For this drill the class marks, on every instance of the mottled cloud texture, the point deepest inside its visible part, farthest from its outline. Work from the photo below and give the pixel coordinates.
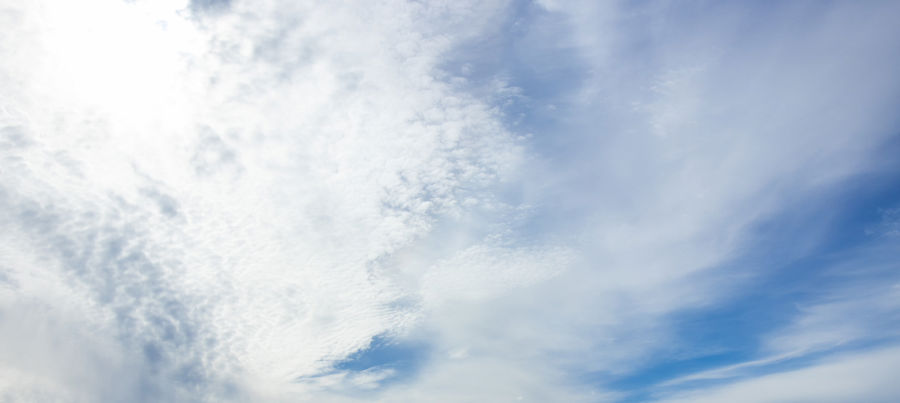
(448, 201)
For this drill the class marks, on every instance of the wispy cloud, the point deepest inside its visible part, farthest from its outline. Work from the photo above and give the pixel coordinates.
(835, 380)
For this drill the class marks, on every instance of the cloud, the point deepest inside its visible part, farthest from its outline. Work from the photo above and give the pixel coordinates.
(226, 200)
(219, 188)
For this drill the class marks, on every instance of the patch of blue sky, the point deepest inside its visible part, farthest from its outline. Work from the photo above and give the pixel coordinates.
(637, 389)
(405, 357)
(390, 359)
(787, 275)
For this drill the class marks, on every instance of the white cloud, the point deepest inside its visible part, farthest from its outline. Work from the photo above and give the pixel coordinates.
(687, 133)
(235, 200)
(220, 189)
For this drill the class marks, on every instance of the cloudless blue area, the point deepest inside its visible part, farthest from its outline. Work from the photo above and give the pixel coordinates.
(403, 357)
(385, 352)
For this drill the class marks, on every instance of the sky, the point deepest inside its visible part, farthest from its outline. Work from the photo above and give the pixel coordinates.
(449, 201)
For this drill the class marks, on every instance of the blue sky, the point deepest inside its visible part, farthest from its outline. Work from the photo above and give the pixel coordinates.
(281, 201)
